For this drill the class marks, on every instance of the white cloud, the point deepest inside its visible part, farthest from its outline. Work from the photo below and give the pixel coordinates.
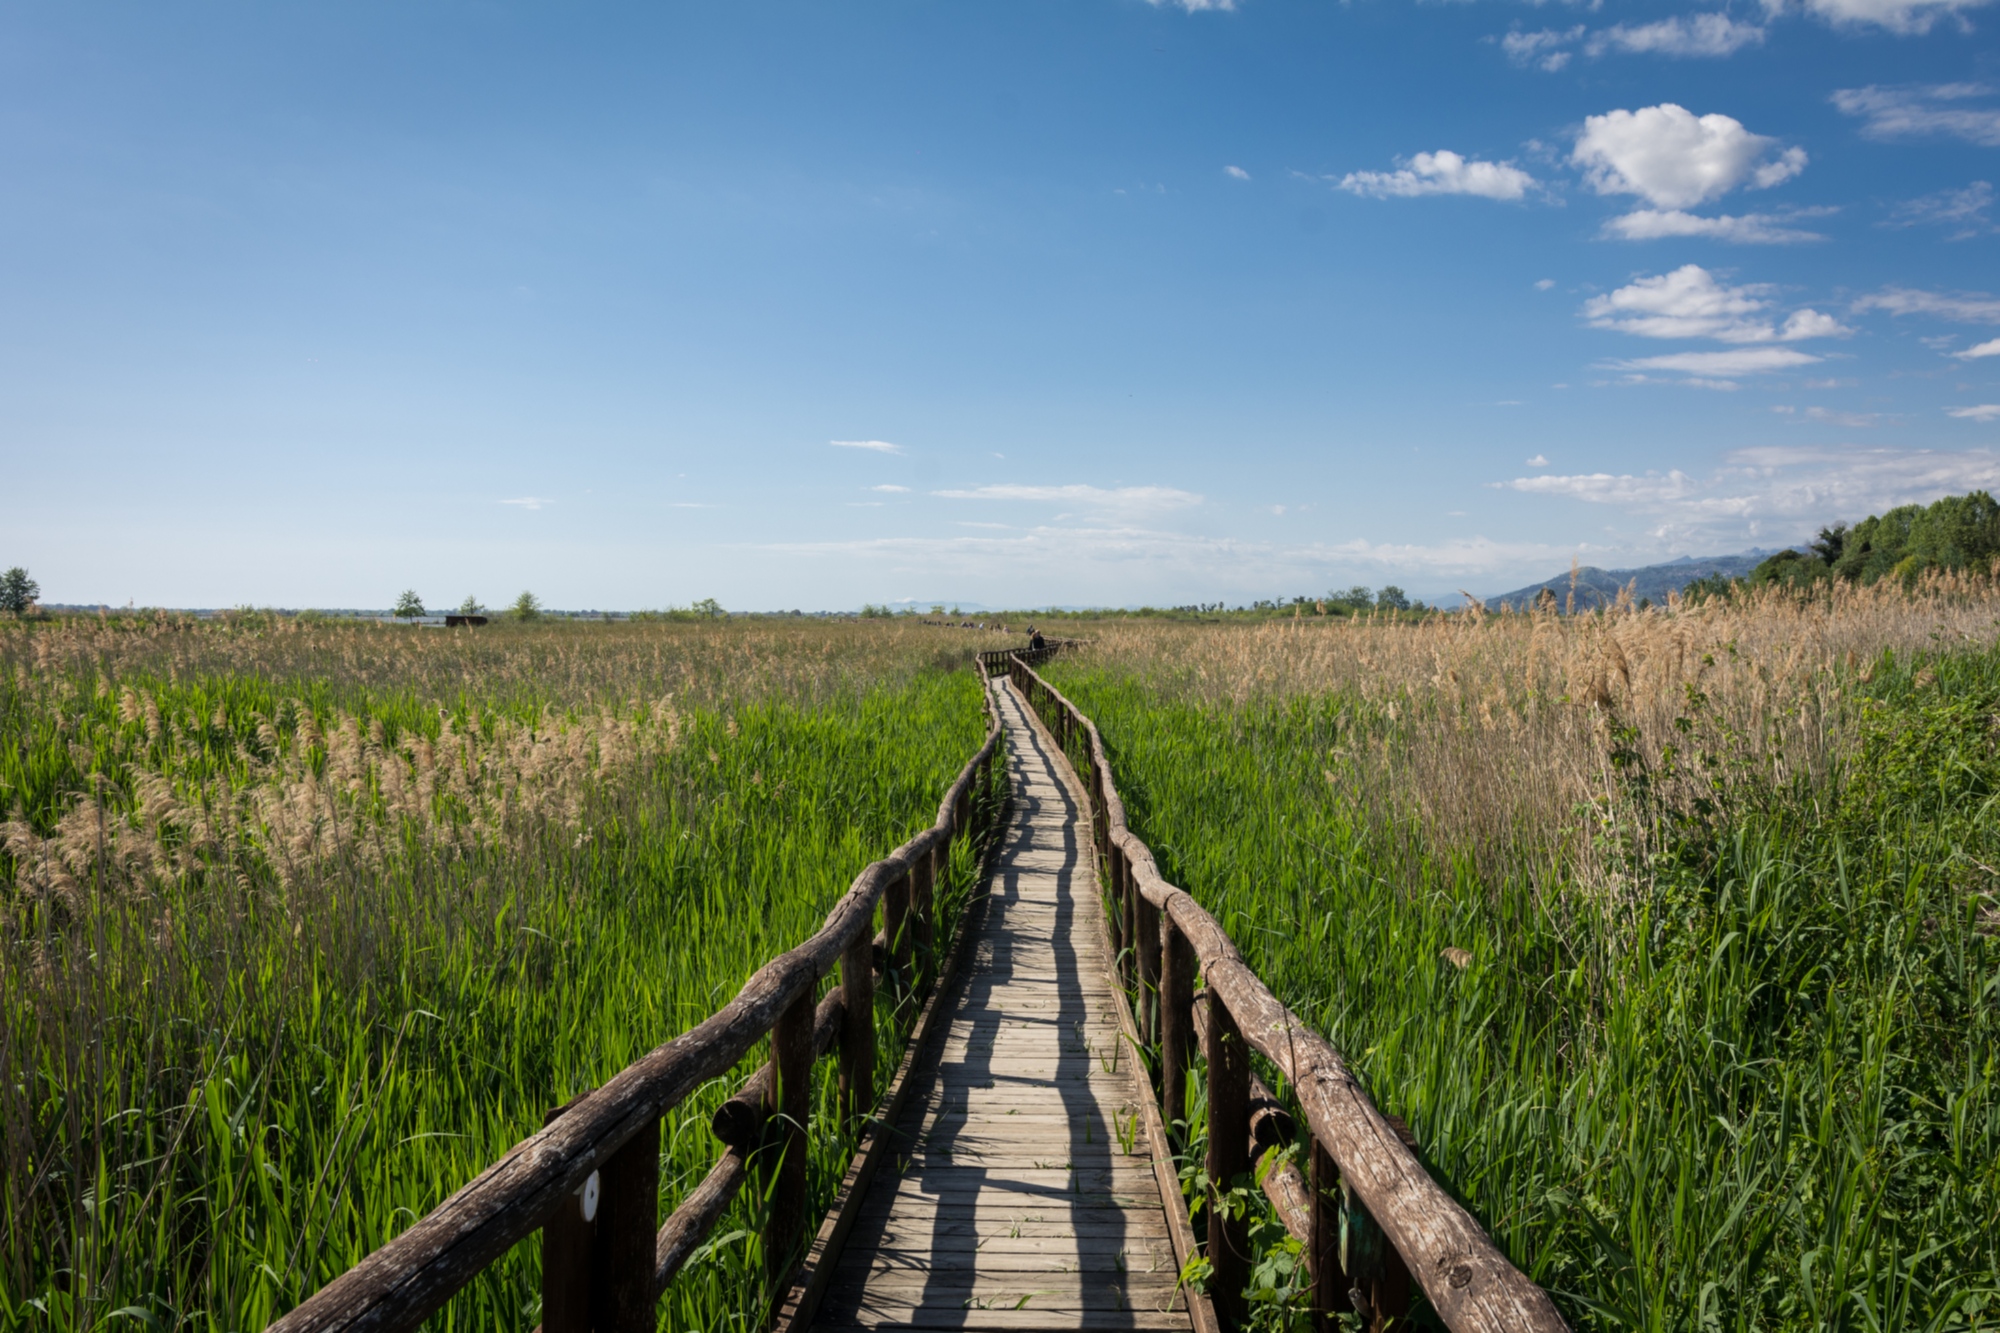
(1122, 498)
(1914, 111)
(1545, 284)
(1902, 16)
(1237, 173)
(529, 502)
(1774, 494)
(1707, 35)
(1722, 365)
(1675, 159)
(1991, 347)
(1541, 49)
(1683, 35)
(1827, 416)
(1690, 303)
(874, 446)
(1442, 172)
(1982, 412)
(1964, 307)
(890, 488)
(1539, 460)
(1647, 224)
(1197, 6)
(1962, 210)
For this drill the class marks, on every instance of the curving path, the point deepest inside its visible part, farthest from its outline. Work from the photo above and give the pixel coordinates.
(1022, 1193)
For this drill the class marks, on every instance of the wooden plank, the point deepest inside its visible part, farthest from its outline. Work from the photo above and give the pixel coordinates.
(1013, 1184)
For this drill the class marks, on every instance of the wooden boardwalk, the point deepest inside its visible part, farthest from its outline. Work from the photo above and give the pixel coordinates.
(1022, 1194)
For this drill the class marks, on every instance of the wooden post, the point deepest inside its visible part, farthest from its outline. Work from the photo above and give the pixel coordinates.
(1131, 934)
(896, 926)
(1149, 961)
(923, 924)
(1323, 1246)
(1117, 912)
(857, 1027)
(790, 1102)
(628, 1215)
(1228, 1159)
(566, 1242)
(1375, 1271)
(1176, 1021)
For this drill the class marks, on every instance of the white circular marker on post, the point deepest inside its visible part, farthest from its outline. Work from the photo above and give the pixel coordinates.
(588, 1194)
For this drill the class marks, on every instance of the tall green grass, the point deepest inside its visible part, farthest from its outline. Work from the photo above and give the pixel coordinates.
(222, 1081)
(1748, 1085)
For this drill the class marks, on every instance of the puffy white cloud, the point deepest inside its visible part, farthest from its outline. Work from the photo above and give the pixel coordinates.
(1903, 16)
(1442, 172)
(1991, 347)
(1965, 307)
(1690, 303)
(1539, 460)
(1236, 173)
(1674, 159)
(1648, 224)
(1911, 112)
(1122, 498)
(1981, 412)
(1722, 365)
(1682, 35)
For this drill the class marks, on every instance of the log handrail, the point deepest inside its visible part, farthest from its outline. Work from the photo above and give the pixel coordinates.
(403, 1282)
(1468, 1281)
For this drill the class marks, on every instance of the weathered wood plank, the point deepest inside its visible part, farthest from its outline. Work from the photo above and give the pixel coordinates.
(1013, 1188)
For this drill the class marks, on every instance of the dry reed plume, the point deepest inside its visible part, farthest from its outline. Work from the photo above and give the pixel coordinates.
(1490, 733)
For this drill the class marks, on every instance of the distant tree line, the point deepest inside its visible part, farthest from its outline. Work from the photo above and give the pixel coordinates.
(1958, 532)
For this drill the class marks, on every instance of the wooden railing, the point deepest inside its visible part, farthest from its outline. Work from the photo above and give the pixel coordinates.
(589, 1180)
(1367, 1213)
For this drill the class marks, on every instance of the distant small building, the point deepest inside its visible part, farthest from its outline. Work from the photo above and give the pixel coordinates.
(453, 620)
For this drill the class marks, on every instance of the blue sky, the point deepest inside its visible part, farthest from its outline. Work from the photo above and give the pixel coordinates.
(1097, 301)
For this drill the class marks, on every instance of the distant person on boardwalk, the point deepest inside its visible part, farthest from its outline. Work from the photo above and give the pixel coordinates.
(1035, 640)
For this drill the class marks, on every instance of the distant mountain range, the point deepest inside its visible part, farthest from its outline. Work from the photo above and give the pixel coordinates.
(1600, 587)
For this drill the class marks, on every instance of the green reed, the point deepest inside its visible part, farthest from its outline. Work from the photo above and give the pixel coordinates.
(221, 1086)
(1749, 1085)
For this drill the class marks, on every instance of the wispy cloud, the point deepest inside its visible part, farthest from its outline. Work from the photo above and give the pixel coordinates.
(1900, 16)
(1962, 211)
(873, 446)
(1442, 172)
(1964, 307)
(890, 488)
(1120, 499)
(1775, 492)
(1722, 365)
(528, 502)
(1990, 347)
(1690, 35)
(1236, 173)
(1918, 111)
(1711, 35)
(1981, 412)
(1648, 224)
